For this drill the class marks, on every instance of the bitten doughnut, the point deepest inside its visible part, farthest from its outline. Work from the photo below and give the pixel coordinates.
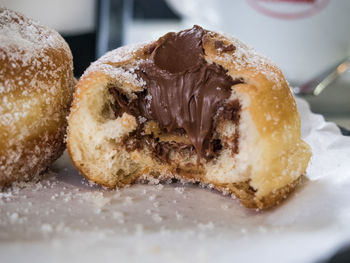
(196, 106)
(36, 89)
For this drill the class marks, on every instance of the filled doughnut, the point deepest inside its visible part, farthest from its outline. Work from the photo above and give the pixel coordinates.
(36, 89)
(196, 106)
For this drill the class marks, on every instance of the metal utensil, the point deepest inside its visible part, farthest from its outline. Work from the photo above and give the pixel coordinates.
(317, 84)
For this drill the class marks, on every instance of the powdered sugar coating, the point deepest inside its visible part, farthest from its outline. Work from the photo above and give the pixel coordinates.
(36, 85)
(120, 63)
(24, 45)
(113, 64)
(125, 75)
(121, 54)
(246, 56)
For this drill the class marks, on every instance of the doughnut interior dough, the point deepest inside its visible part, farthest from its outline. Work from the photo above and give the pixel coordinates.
(271, 157)
(36, 88)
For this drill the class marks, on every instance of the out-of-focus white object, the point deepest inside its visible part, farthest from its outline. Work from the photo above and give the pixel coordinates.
(66, 16)
(141, 31)
(303, 37)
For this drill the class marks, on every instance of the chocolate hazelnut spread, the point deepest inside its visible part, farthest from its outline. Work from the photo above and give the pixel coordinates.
(183, 94)
(183, 90)
(218, 44)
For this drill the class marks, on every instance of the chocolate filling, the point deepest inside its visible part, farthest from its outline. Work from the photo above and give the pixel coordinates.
(218, 44)
(183, 94)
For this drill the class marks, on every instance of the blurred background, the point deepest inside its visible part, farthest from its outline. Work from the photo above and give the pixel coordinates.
(303, 37)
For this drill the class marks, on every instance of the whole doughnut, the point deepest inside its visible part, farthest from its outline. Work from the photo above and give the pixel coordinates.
(36, 86)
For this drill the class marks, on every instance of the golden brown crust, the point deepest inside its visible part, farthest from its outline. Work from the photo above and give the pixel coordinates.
(246, 194)
(273, 111)
(269, 128)
(36, 89)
